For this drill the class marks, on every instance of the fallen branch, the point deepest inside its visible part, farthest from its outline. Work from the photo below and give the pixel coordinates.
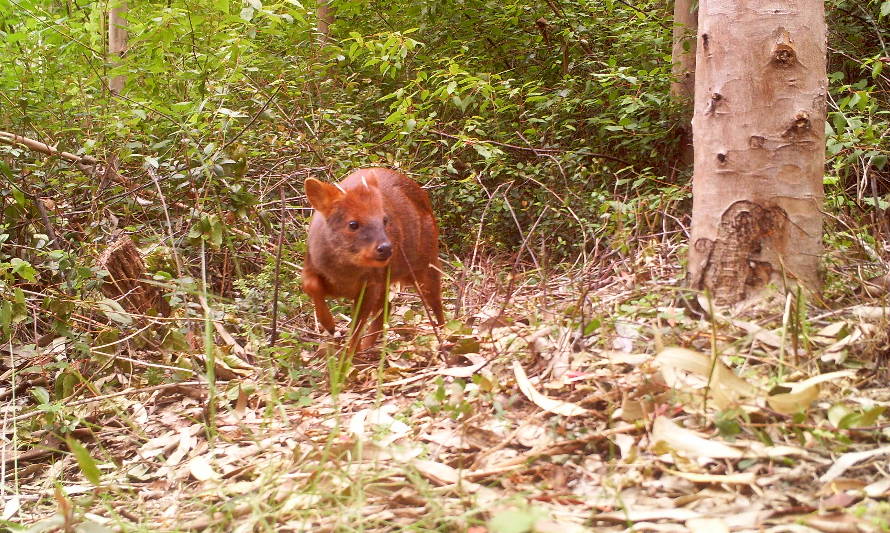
(17, 140)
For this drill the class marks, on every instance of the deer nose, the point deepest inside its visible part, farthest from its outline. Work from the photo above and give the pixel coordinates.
(384, 250)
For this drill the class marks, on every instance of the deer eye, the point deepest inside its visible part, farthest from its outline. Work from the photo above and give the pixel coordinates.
(353, 225)
(385, 221)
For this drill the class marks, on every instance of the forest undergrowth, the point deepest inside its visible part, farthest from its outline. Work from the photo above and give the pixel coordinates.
(577, 384)
(595, 394)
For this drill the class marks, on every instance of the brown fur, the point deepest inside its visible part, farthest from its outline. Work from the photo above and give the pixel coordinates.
(376, 219)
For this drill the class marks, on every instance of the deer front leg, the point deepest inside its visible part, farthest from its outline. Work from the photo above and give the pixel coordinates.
(364, 337)
(314, 287)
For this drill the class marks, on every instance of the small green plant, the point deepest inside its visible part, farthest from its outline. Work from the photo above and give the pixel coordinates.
(450, 398)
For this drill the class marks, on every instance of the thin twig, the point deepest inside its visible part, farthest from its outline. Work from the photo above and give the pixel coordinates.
(274, 335)
(254, 119)
(157, 183)
(540, 152)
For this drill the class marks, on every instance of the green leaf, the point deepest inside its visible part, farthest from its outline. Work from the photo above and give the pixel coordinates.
(86, 462)
(483, 150)
(514, 521)
(869, 416)
(6, 317)
(216, 233)
(591, 326)
(19, 196)
(41, 395)
(174, 340)
(23, 269)
(396, 116)
(727, 424)
(885, 8)
(114, 311)
(834, 148)
(454, 325)
(466, 345)
(837, 413)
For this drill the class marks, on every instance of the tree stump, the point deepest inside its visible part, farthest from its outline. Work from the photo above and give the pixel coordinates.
(126, 274)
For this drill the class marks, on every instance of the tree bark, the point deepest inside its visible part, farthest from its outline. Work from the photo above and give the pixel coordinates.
(325, 14)
(683, 69)
(683, 51)
(759, 133)
(117, 42)
(126, 274)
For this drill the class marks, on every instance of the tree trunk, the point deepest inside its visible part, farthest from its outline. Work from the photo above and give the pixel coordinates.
(683, 61)
(117, 42)
(325, 15)
(683, 52)
(759, 135)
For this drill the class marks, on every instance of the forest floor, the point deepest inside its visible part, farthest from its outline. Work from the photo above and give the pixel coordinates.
(585, 400)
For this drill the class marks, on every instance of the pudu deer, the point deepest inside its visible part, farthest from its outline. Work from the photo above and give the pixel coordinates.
(375, 226)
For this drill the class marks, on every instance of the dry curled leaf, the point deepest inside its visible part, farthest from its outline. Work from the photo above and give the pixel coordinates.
(443, 474)
(802, 394)
(847, 460)
(688, 443)
(726, 389)
(550, 405)
(463, 371)
(200, 469)
(707, 525)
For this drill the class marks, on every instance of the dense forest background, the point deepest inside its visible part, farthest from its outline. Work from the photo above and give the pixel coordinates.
(545, 125)
(544, 131)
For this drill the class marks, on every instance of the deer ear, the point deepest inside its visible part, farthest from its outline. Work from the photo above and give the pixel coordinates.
(322, 195)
